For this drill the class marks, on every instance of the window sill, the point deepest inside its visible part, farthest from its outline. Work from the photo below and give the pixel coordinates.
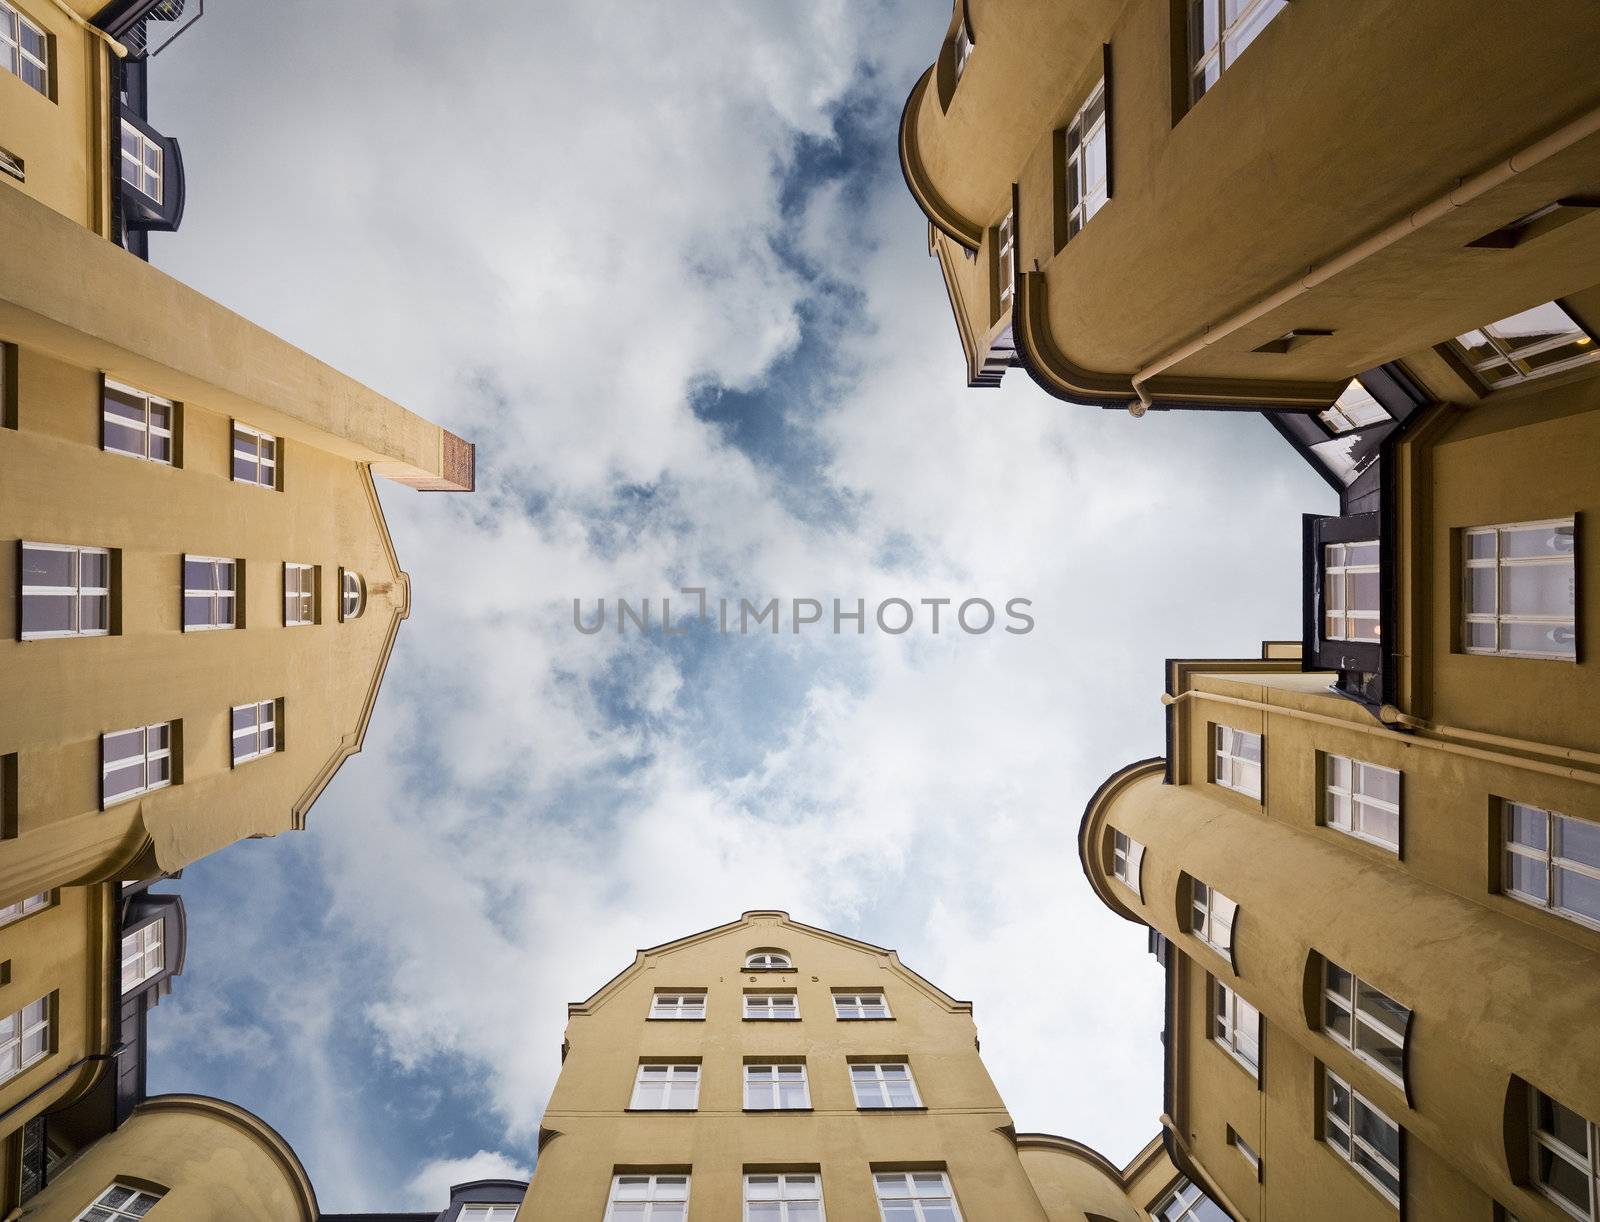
(879, 1018)
(868, 1111)
(660, 1111)
(777, 1111)
(747, 1018)
(667, 1018)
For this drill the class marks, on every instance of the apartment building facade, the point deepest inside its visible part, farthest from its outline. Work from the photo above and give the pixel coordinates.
(1150, 203)
(1381, 946)
(770, 1070)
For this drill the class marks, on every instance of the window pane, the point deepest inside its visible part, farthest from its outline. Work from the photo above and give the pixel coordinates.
(1537, 541)
(1336, 1020)
(1577, 893)
(47, 613)
(47, 567)
(1526, 825)
(1481, 585)
(1526, 876)
(1563, 1179)
(1578, 840)
(1537, 589)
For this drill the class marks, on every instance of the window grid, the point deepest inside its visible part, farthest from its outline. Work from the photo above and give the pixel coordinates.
(135, 423)
(772, 1006)
(66, 591)
(666, 1087)
(884, 1084)
(352, 595)
(255, 730)
(915, 1196)
(1211, 917)
(776, 1088)
(255, 456)
(1520, 590)
(678, 1005)
(767, 960)
(963, 47)
(119, 1203)
(1006, 255)
(1363, 800)
(1355, 408)
(1236, 1026)
(1552, 861)
(23, 907)
(1088, 184)
(1238, 760)
(786, 1197)
(1362, 1135)
(1532, 344)
(1188, 1203)
(210, 593)
(503, 1211)
(141, 162)
(1566, 1157)
(860, 1006)
(24, 1038)
(1219, 31)
(1245, 1152)
(134, 762)
(648, 1198)
(143, 955)
(24, 49)
(1366, 1020)
(1350, 585)
(299, 594)
(1127, 855)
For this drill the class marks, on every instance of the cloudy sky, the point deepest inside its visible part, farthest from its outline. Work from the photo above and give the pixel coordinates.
(658, 262)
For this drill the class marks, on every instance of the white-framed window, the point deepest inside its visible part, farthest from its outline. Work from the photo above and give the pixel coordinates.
(487, 1211)
(1363, 800)
(23, 907)
(1245, 1151)
(255, 456)
(771, 1005)
(1219, 31)
(860, 1006)
(66, 591)
(1211, 917)
(963, 46)
(1552, 861)
(779, 1087)
(1520, 595)
(143, 955)
(1236, 1026)
(1536, 342)
(1365, 1020)
(135, 761)
(915, 1196)
(767, 961)
(883, 1084)
(24, 48)
(299, 594)
(135, 423)
(666, 1087)
(1237, 757)
(24, 1038)
(210, 593)
(352, 594)
(648, 1198)
(1566, 1156)
(1185, 1202)
(141, 162)
(783, 1197)
(1088, 183)
(1355, 408)
(119, 1203)
(1350, 586)
(255, 730)
(676, 1005)
(1006, 258)
(1127, 856)
(1361, 1134)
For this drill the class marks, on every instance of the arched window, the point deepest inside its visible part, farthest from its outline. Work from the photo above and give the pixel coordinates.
(352, 594)
(768, 959)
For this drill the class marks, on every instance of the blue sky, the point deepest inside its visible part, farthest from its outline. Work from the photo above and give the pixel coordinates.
(676, 292)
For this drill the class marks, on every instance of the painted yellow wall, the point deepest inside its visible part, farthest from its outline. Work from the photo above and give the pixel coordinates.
(212, 1161)
(964, 1126)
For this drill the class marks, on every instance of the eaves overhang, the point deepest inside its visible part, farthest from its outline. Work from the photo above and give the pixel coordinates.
(918, 182)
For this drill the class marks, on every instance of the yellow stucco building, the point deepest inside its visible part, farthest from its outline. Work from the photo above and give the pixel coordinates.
(770, 1070)
(201, 590)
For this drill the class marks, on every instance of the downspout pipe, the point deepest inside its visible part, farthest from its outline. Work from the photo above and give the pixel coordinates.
(1466, 191)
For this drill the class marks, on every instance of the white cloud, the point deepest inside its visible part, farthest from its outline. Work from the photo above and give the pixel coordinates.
(545, 232)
